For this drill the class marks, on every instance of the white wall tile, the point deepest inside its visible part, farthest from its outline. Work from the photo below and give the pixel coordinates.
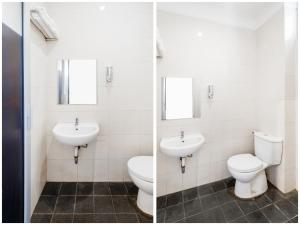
(101, 170)
(115, 169)
(86, 168)
(174, 182)
(61, 170)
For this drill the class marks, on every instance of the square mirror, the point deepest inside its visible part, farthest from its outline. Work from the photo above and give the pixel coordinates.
(179, 98)
(77, 82)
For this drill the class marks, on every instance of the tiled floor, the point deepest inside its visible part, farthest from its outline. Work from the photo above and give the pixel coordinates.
(87, 203)
(216, 203)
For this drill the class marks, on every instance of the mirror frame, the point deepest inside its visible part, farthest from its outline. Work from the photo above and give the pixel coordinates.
(196, 99)
(63, 86)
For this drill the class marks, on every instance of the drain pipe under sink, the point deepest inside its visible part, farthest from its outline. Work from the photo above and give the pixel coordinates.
(182, 162)
(76, 152)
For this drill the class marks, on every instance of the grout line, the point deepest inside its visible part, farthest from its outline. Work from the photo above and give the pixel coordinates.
(239, 207)
(56, 202)
(74, 203)
(276, 206)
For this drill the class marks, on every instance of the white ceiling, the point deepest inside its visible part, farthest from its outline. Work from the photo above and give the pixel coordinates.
(241, 14)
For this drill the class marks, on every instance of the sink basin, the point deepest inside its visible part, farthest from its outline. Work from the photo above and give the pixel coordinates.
(181, 147)
(67, 133)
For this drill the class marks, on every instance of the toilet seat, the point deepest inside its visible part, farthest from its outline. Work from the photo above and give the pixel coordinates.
(142, 167)
(245, 163)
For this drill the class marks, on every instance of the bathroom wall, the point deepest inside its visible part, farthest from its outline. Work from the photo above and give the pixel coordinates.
(291, 94)
(38, 79)
(277, 103)
(224, 56)
(35, 56)
(121, 36)
(271, 98)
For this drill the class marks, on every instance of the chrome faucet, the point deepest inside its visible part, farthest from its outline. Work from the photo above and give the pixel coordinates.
(76, 122)
(182, 134)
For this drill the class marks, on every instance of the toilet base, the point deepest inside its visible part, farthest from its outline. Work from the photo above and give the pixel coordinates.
(254, 188)
(145, 202)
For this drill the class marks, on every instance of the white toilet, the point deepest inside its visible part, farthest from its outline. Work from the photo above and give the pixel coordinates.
(140, 169)
(249, 170)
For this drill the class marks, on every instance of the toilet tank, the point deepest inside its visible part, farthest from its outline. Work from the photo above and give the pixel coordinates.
(268, 148)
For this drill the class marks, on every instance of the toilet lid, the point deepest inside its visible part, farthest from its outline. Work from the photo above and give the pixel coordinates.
(244, 163)
(141, 167)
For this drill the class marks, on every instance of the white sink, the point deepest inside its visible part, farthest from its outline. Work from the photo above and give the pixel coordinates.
(181, 147)
(82, 134)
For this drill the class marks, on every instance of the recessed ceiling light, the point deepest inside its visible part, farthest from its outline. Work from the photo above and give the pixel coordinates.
(101, 7)
(199, 34)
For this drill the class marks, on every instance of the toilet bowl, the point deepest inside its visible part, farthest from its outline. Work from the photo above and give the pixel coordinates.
(141, 173)
(249, 170)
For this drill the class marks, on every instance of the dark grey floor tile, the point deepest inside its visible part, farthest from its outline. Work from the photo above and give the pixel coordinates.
(190, 194)
(160, 218)
(256, 217)
(127, 218)
(247, 206)
(211, 216)
(101, 188)
(51, 188)
(174, 213)
(45, 204)
(161, 202)
(174, 198)
(273, 214)
(204, 190)
(293, 192)
(68, 188)
(132, 200)
(62, 218)
(83, 218)
(293, 198)
(41, 218)
(231, 211)
(85, 188)
(262, 201)
(117, 188)
(105, 218)
(229, 182)
(287, 208)
(192, 207)
(84, 204)
(209, 201)
(224, 196)
(274, 194)
(103, 204)
(144, 219)
(240, 220)
(122, 204)
(294, 220)
(65, 204)
(131, 188)
(218, 185)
